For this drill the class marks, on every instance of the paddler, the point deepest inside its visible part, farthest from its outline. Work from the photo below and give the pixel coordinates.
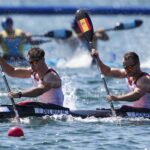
(46, 80)
(138, 81)
(12, 40)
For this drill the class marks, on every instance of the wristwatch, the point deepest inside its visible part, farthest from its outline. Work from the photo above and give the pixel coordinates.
(19, 94)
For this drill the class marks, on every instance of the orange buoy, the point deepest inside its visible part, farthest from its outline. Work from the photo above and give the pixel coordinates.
(15, 132)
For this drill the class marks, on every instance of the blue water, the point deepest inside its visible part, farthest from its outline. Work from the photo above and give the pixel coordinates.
(82, 86)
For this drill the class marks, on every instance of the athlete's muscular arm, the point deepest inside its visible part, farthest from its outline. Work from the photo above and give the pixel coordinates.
(55, 82)
(15, 72)
(34, 92)
(106, 70)
(142, 88)
(131, 96)
(144, 83)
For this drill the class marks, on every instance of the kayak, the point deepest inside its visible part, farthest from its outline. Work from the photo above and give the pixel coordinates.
(38, 109)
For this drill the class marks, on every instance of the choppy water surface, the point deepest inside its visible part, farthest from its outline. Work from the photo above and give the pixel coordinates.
(83, 89)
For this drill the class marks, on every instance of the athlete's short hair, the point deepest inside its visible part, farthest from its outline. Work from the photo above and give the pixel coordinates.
(36, 53)
(133, 56)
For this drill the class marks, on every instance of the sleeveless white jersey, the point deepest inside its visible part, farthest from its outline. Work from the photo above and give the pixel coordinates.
(144, 101)
(52, 96)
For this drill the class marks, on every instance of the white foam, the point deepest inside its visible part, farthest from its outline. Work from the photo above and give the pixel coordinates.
(69, 92)
(80, 59)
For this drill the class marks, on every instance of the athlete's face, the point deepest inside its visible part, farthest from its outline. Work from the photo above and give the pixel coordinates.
(34, 63)
(130, 67)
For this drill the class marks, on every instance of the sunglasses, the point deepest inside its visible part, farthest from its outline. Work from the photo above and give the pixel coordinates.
(32, 62)
(130, 67)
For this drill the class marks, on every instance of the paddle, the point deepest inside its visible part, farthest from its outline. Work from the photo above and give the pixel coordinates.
(12, 100)
(65, 34)
(86, 27)
(38, 42)
(57, 34)
(13, 131)
(125, 26)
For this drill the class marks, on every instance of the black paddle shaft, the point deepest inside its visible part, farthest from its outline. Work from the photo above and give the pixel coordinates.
(12, 100)
(56, 34)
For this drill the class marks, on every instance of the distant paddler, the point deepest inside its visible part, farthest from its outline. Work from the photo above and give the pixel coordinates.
(12, 40)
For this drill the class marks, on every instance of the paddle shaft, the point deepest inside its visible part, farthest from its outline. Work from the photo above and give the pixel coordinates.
(8, 90)
(38, 42)
(56, 34)
(107, 91)
(109, 29)
(104, 82)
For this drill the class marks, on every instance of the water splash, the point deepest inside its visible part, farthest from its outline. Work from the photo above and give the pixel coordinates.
(79, 59)
(69, 92)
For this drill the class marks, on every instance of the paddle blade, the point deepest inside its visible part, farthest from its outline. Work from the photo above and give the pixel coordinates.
(138, 23)
(59, 34)
(131, 25)
(85, 24)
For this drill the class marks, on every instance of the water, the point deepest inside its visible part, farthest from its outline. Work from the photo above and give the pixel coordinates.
(83, 88)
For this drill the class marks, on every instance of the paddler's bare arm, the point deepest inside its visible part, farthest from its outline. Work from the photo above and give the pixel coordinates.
(131, 96)
(141, 90)
(15, 72)
(34, 92)
(106, 70)
(55, 82)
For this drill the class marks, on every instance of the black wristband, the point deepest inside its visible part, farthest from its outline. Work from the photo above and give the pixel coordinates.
(20, 94)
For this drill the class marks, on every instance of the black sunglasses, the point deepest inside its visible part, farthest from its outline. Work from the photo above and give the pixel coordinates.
(130, 67)
(32, 62)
